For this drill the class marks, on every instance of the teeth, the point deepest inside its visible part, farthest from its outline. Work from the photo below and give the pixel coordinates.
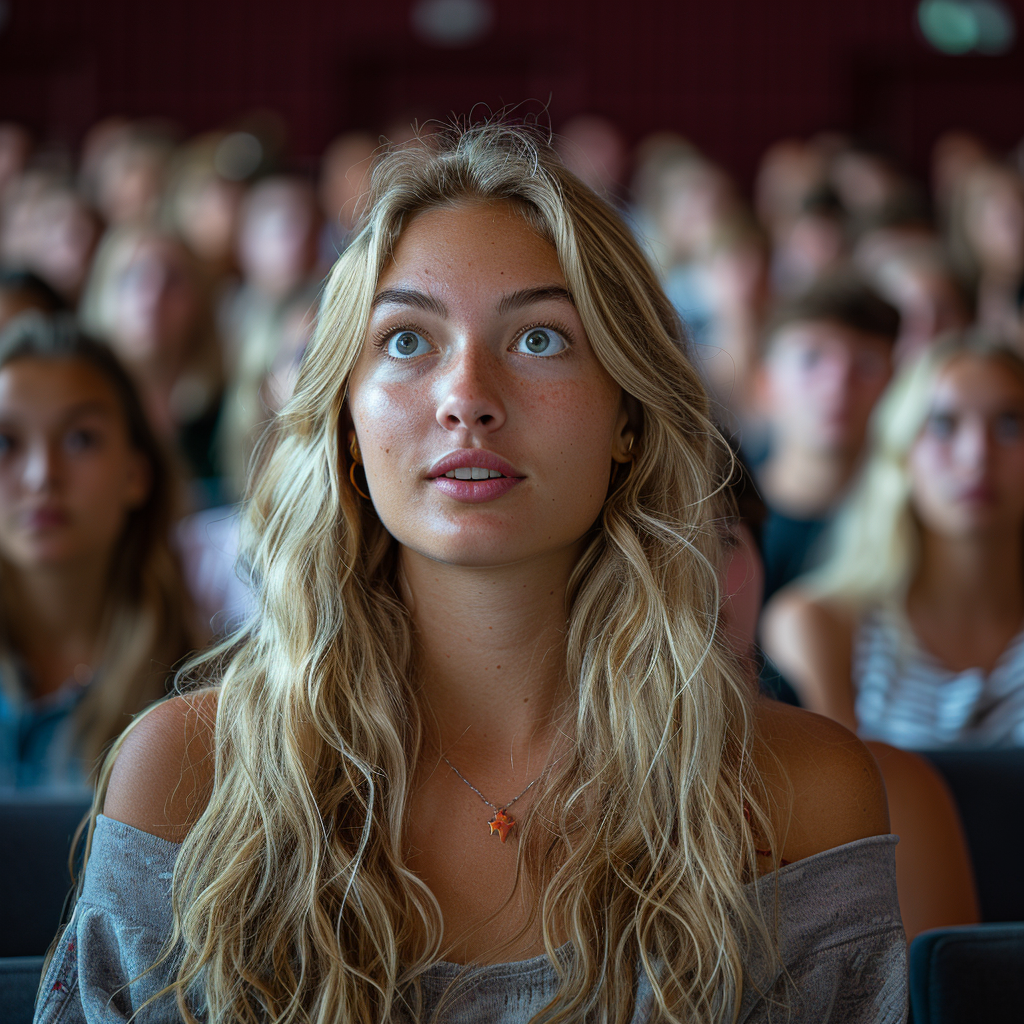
(472, 473)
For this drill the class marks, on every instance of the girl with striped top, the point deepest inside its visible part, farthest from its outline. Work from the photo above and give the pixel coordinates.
(911, 632)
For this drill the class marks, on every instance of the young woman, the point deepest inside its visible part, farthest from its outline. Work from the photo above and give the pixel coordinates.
(912, 632)
(94, 611)
(481, 750)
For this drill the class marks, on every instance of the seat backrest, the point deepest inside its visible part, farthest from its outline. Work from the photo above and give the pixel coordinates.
(988, 786)
(19, 980)
(968, 974)
(35, 838)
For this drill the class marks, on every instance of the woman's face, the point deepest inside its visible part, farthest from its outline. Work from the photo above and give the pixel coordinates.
(476, 364)
(967, 464)
(68, 473)
(156, 303)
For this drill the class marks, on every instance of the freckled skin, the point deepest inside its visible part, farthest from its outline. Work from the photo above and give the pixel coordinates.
(557, 419)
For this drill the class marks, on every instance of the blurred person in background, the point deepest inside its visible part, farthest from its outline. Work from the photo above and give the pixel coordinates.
(918, 279)
(59, 240)
(955, 155)
(263, 380)
(344, 177)
(790, 172)
(988, 241)
(912, 631)
(201, 206)
(734, 280)
(810, 245)
(826, 360)
(15, 149)
(593, 148)
(128, 170)
(872, 188)
(20, 291)
(209, 539)
(149, 299)
(277, 252)
(95, 611)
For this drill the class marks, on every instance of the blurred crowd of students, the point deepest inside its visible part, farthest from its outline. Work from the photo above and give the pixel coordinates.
(861, 334)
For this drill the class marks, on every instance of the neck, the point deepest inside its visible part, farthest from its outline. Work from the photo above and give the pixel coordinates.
(807, 483)
(54, 617)
(490, 649)
(972, 577)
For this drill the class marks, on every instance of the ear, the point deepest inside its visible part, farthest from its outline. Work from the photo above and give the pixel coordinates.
(624, 436)
(139, 480)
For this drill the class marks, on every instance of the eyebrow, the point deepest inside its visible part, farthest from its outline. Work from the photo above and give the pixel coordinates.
(508, 303)
(527, 296)
(408, 297)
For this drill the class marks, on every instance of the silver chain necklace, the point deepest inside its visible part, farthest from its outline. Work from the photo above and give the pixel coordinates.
(501, 824)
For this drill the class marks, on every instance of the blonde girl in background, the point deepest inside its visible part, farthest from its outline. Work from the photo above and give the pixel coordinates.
(482, 750)
(912, 632)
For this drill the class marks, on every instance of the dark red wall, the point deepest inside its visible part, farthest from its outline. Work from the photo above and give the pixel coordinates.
(731, 74)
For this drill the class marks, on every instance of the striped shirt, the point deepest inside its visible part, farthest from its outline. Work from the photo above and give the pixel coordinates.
(905, 696)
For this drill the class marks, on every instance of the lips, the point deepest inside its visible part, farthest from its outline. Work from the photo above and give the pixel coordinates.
(46, 518)
(470, 458)
(494, 476)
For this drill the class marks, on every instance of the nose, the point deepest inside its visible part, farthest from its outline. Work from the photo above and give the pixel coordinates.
(470, 392)
(40, 467)
(973, 445)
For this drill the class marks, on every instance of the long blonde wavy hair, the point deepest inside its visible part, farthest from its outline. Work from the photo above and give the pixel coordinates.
(874, 545)
(291, 897)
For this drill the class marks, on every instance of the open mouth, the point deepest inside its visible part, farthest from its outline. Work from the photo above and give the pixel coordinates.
(473, 473)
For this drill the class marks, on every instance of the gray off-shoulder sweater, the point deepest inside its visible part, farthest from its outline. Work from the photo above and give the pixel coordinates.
(840, 938)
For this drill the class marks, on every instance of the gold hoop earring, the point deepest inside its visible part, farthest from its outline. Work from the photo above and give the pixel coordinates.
(353, 447)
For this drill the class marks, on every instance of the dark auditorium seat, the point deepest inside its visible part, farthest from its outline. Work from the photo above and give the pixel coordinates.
(19, 979)
(968, 975)
(35, 838)
(989, 789)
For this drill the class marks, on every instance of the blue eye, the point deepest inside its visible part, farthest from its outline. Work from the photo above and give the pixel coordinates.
(406, 344)
(541, 341)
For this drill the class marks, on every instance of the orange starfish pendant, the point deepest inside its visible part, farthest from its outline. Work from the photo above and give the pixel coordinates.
(501, 824)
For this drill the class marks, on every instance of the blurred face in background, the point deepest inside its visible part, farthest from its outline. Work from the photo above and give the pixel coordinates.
(994, 220)
(345, 176)
(595, 151)
(820, 381)
(967, 465)
(206, 212)
(63, 238)
(130, 180)
(156, 303)
(277, 242)
(69, 475)
(698, 200)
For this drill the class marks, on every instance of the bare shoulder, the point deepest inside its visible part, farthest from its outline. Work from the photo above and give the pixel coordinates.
(823, 781)
(163, 772)
(793, 621)
(811, 642)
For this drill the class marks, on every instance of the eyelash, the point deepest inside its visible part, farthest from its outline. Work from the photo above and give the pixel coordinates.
(380, 338)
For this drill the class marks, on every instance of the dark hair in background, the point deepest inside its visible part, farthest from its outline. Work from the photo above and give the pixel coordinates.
(148, 622)
(843, 299)
(33, 288)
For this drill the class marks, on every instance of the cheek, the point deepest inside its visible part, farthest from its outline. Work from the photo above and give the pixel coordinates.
(928, 467)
